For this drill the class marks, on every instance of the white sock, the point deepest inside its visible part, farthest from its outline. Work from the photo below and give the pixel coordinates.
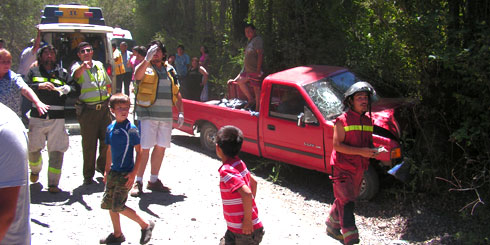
(153, 178)
(140, 179)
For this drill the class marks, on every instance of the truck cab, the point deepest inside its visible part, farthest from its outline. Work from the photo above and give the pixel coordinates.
(65, 26)
(295, 121)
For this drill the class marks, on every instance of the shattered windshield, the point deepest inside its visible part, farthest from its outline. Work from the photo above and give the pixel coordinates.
(327, 93)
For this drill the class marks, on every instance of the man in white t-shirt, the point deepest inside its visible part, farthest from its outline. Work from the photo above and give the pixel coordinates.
(14, 210)
(27, 58)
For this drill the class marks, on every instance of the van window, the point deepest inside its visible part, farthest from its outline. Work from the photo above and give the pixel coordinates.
(66, 44)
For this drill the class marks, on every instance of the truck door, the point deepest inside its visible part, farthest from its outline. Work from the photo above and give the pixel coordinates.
(283, 139)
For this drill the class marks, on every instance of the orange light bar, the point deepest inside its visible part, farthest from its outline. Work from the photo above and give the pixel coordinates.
(396, 153)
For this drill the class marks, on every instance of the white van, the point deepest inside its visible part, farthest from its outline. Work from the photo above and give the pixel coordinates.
(119, 35)
(65, 26)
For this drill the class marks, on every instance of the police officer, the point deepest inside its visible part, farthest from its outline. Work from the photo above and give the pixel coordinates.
(51, 83)
(352, 148)
(92, 109)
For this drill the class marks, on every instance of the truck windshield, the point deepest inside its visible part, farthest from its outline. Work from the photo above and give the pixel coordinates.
(327, 93)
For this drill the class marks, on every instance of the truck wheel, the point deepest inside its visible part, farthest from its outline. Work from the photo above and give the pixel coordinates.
(369, 184)
(208, 134)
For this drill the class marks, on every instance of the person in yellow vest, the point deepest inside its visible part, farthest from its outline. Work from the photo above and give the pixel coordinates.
(157, 93)
(92, 109)
(120, 69)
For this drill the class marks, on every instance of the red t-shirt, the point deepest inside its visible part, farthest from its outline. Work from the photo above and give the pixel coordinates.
(233, 175)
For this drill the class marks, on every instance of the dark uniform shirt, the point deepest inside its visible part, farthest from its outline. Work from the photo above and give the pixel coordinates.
(58, 77)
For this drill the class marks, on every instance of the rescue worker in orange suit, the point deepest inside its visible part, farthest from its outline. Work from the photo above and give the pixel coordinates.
(352, 148)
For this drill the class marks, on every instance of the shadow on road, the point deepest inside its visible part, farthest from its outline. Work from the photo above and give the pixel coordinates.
(159, 198)
(43, 197)
(311, 184)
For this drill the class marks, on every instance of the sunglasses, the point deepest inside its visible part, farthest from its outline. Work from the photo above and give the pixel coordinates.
(5, 62)
(86, 51)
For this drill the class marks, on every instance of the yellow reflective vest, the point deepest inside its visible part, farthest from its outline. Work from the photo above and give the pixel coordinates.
(147, 90)
(118, 62)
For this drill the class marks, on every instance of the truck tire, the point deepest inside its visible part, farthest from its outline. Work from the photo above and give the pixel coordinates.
(369, 184)
(208, 134)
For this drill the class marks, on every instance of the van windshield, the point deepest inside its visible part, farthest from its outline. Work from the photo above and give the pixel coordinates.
(66, 45)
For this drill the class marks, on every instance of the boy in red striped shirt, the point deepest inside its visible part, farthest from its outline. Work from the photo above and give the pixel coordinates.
(238, 189)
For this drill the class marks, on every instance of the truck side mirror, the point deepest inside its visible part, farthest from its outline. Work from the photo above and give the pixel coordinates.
(309, 117)
(301, 120)
(306, 117)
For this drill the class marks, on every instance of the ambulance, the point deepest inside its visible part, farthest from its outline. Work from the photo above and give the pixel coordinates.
(65, 26)
(119, 35)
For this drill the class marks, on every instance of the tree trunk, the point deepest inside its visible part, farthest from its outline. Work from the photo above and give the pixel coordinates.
(239, 14)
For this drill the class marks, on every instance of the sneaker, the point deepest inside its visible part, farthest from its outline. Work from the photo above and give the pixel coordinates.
(146, 233)
(335, 234)
(34, 177)
(137, 189)
(157, 186)
(112, 239)
(54, 189)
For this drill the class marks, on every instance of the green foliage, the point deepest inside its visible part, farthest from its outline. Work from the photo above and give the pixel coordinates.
(435, 51)
(273, 167)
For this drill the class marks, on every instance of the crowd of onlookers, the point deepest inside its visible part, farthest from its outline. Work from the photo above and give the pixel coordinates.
(123, 147)
(191, 73)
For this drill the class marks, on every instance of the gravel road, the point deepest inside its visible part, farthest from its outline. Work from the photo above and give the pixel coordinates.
(190, 214)
(293, 210)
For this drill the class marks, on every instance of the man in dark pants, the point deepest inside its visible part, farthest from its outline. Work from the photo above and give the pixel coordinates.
(92, 109)
(127, 76)
(352, 148)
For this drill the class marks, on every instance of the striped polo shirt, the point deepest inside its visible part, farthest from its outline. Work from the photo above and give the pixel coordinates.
(233, 175)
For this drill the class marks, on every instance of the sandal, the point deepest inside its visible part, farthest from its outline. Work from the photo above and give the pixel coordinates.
(112, 239)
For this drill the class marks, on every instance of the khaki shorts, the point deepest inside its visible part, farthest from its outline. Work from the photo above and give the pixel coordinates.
(51, 130)
(155, 133)
(116, 194)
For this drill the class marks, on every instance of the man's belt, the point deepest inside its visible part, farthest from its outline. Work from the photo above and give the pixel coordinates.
(97, 106)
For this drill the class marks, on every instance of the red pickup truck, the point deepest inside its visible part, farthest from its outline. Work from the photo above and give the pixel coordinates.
(294, 123)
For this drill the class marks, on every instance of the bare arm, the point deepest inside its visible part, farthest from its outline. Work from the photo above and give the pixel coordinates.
(81, 69)
(260, 57)
(7, 208)
(108, 162)
(253, 185)
(36, 42)
(30, 95)
(205, 74)
(179, 104)
(338, 145)
(132, 175)
(139, 72)
(247, 197)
